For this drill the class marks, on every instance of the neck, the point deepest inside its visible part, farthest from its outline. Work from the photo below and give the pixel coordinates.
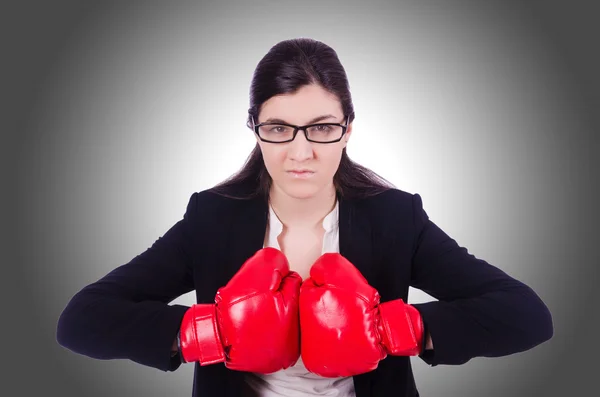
(302, 212)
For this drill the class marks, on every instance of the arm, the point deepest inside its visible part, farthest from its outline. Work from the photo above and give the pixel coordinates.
(481, 311)
(125, 314)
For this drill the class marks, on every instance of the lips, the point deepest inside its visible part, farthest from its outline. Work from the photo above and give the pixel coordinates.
(301, 173)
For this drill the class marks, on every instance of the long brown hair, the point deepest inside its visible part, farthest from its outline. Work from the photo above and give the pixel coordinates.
(289, 65)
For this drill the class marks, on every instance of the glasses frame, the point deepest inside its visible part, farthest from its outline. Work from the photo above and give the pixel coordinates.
(303, 128)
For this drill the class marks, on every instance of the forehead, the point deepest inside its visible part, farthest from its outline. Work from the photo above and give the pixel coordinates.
(301, 106)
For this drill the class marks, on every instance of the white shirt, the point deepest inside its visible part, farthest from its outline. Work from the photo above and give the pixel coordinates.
(297, 381)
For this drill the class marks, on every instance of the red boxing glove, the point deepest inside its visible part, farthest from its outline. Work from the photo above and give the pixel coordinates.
(253, 324)
(345, 331)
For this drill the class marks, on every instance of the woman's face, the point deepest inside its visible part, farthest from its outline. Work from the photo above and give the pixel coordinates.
(322, 159)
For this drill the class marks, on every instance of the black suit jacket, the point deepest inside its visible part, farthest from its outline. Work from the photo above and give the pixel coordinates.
(480, 311)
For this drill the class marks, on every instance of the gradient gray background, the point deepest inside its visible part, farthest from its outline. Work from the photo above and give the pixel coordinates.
(115, 114)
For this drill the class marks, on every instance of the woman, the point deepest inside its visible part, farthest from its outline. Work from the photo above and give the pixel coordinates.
(301, 265)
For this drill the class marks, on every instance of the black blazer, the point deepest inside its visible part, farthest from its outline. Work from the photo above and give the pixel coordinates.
(480, 311)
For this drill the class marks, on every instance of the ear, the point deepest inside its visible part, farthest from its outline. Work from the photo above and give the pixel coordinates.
(347, 134)
(255, 135)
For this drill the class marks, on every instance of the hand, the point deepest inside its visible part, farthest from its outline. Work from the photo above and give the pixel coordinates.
(345, 330)
(253, 324)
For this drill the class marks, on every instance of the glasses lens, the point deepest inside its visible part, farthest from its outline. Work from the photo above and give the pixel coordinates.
(276, 132)
(324, 132)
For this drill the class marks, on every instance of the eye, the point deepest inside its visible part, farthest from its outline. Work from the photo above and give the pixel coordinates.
(278, 129)
(321, 129)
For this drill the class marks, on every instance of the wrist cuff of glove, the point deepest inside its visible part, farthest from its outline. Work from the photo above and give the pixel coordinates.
(199, 336)
(401, 326)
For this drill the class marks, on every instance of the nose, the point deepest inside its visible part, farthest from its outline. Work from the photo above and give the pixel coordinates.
(300, 148)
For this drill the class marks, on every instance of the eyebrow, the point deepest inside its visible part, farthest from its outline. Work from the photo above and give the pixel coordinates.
(315, 120)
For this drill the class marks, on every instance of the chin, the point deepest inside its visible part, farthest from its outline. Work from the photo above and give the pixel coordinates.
(300, 191)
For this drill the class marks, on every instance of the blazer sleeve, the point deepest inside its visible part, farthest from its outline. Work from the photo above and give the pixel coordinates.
(481, 311)
(125, 314)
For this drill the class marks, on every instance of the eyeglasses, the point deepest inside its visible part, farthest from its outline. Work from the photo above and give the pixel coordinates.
(282, 133)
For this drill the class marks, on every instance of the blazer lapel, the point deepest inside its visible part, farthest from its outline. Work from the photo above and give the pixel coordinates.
(355, 237)
(245, 236)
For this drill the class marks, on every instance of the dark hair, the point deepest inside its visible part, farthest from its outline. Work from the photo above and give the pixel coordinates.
(288, 66)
